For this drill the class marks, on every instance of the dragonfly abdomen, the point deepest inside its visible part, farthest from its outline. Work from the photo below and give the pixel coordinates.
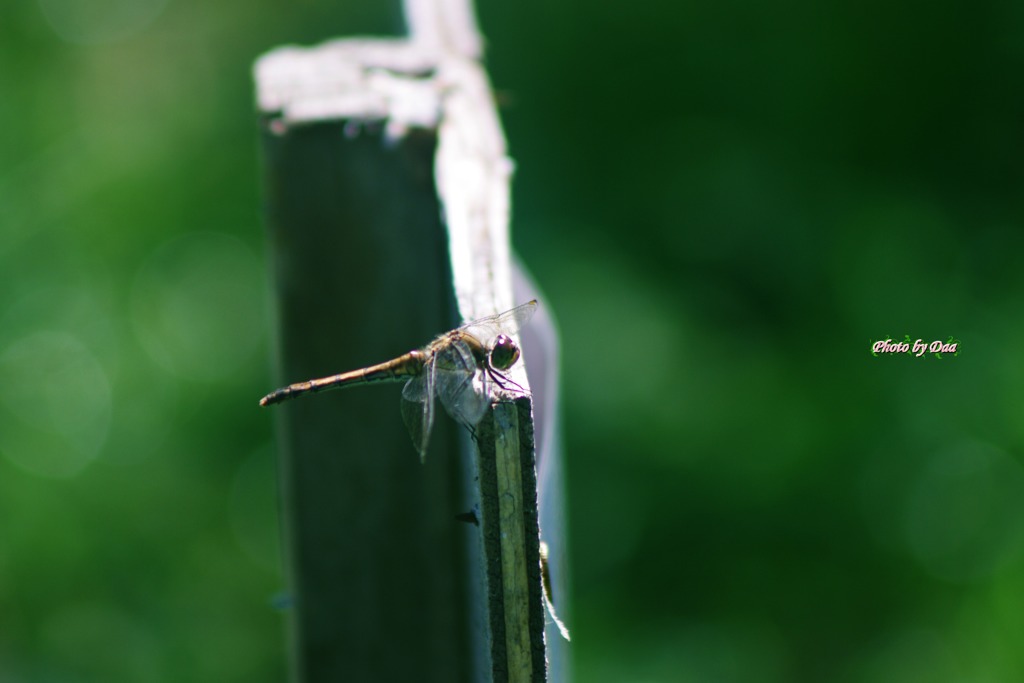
(402, 368)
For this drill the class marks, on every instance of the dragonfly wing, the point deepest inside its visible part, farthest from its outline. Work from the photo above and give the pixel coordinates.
(418, 408)
(469, 403)
(463, 390)
(412, 415)
(509, 322)
(416, 388)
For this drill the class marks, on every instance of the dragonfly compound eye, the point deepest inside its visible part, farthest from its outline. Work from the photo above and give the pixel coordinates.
(504, 353)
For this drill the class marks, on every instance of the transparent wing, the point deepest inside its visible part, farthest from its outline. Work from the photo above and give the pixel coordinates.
(469, 403)
(415, 389)
(509, 322)
(418, 408)
(462, 389)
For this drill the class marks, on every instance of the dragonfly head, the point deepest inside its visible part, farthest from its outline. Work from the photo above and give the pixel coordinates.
(504, 353)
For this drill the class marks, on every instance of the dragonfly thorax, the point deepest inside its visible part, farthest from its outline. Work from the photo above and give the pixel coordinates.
(504, 352)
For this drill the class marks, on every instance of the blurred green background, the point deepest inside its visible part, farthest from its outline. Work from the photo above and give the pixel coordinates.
(725, 202)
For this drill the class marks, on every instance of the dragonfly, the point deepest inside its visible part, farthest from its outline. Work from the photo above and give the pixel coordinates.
(460, 367)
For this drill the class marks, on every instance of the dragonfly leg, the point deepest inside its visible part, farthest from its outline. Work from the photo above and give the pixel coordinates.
(503, 381)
